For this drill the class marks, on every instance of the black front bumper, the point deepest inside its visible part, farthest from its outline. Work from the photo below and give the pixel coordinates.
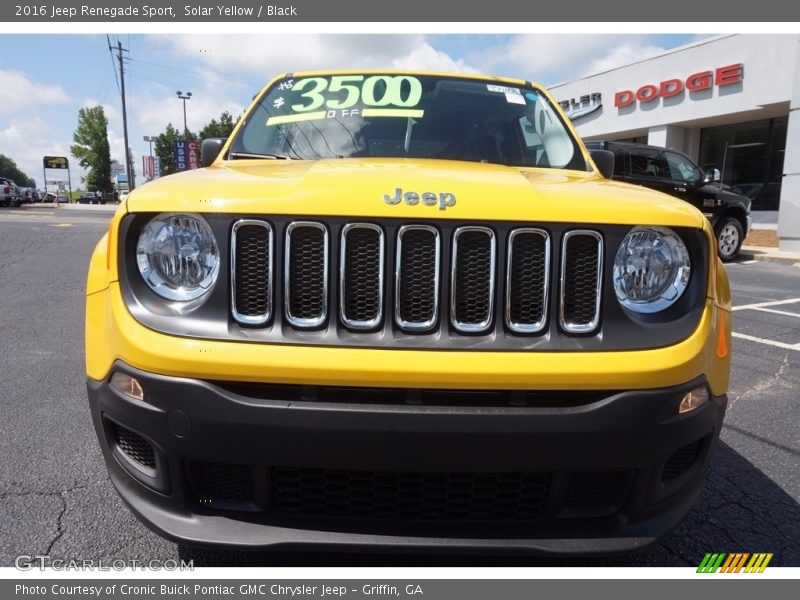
(202, 464)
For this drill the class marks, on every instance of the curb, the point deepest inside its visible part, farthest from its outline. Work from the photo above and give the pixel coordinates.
(769, 254)
(69, 206)
(89, 207)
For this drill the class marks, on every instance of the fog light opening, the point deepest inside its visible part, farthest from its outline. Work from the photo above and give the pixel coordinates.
(693, 400)
(127, 385)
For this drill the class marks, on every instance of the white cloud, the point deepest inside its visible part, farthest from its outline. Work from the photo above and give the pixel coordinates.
(552, 58)
(19, 92)
(28, 141)
(262, 57)
(426, 58)
(624, 55)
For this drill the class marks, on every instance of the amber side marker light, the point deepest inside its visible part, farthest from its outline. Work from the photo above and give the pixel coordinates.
(722, 340)
(693, 400)
(127, 385)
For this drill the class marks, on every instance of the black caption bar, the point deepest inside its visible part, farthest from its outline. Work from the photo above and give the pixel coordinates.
(459, 11)
(352, 589)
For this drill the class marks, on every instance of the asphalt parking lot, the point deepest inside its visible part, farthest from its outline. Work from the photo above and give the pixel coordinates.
(56, 499)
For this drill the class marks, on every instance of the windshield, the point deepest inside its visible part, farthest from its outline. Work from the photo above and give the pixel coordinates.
(399, 115)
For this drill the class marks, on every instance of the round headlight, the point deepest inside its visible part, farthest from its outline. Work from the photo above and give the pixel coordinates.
(178, 257)
(651, 269)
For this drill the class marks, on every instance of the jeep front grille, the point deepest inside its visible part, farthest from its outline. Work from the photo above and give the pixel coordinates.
(389, 279)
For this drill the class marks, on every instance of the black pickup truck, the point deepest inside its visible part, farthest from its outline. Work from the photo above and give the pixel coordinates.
(674, 173)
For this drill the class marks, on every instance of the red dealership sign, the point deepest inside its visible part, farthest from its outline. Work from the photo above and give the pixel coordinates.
(704, 80)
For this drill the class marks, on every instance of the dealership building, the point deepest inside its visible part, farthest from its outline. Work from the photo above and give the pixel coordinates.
(730, 103)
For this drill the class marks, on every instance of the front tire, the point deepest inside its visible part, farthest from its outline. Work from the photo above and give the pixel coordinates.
(730, 235)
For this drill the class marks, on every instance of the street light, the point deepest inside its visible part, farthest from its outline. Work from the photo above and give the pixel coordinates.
(150, 139)
(188, 96)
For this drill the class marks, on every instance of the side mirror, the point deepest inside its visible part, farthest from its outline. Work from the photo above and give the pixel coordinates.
(712, 176)
(604, 159)
(209, 150)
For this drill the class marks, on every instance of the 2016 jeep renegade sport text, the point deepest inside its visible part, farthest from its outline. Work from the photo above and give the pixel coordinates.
(407, 310)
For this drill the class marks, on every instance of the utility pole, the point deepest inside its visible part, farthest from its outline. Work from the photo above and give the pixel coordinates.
(120, 50)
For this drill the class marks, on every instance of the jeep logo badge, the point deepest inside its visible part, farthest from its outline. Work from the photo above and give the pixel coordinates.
(443, 199)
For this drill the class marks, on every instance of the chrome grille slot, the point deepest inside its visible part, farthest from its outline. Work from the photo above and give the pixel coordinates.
(472, 279)
(361, 276)
(581, 281)
(306, 274)
(251, 271)
(527, 280)
(417, 277)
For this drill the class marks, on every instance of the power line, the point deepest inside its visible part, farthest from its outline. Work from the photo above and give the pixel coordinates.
(113, 66)
(136, 74)
(248, 84)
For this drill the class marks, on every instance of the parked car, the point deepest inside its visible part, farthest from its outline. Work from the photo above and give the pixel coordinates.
(25, 194)
(674, 173)
(438, 326)
(8, 193)
(87, 198)
(51, 197)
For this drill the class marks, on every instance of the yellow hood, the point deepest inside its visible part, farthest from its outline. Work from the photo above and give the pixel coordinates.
(356, 187)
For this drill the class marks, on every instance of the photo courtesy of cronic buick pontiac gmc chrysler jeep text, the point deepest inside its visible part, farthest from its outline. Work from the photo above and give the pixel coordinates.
(407, 310)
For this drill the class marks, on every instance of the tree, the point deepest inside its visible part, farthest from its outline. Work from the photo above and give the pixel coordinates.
(91, 148)
(10, 170)
(165, 149)
(219, 129)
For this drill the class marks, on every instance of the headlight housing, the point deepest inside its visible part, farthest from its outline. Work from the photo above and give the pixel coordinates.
(651, 269)
(178, 256)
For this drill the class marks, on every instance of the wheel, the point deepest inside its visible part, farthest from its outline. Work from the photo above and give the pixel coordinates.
(729, 238)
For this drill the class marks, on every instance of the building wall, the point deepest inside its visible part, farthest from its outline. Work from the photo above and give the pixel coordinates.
(765, 90)
(770, 87)
(789, 214)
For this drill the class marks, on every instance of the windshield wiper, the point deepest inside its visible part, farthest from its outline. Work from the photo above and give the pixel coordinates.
(252, 155)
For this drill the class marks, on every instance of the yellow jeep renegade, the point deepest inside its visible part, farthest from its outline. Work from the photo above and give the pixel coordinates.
(407, 310)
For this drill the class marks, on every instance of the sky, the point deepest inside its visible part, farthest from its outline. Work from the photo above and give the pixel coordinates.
(46, 79)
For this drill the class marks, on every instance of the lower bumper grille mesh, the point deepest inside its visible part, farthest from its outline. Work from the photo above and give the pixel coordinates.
(134, 446)
(596, 489)
(409, 496)
(682, 460)
(217, 482)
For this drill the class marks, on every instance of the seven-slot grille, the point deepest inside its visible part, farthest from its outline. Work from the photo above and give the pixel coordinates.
(412, 281)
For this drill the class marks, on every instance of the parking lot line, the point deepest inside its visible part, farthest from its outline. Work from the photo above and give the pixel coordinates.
(766, 304)
(751, 338)
(785, 313)
(31, 214)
